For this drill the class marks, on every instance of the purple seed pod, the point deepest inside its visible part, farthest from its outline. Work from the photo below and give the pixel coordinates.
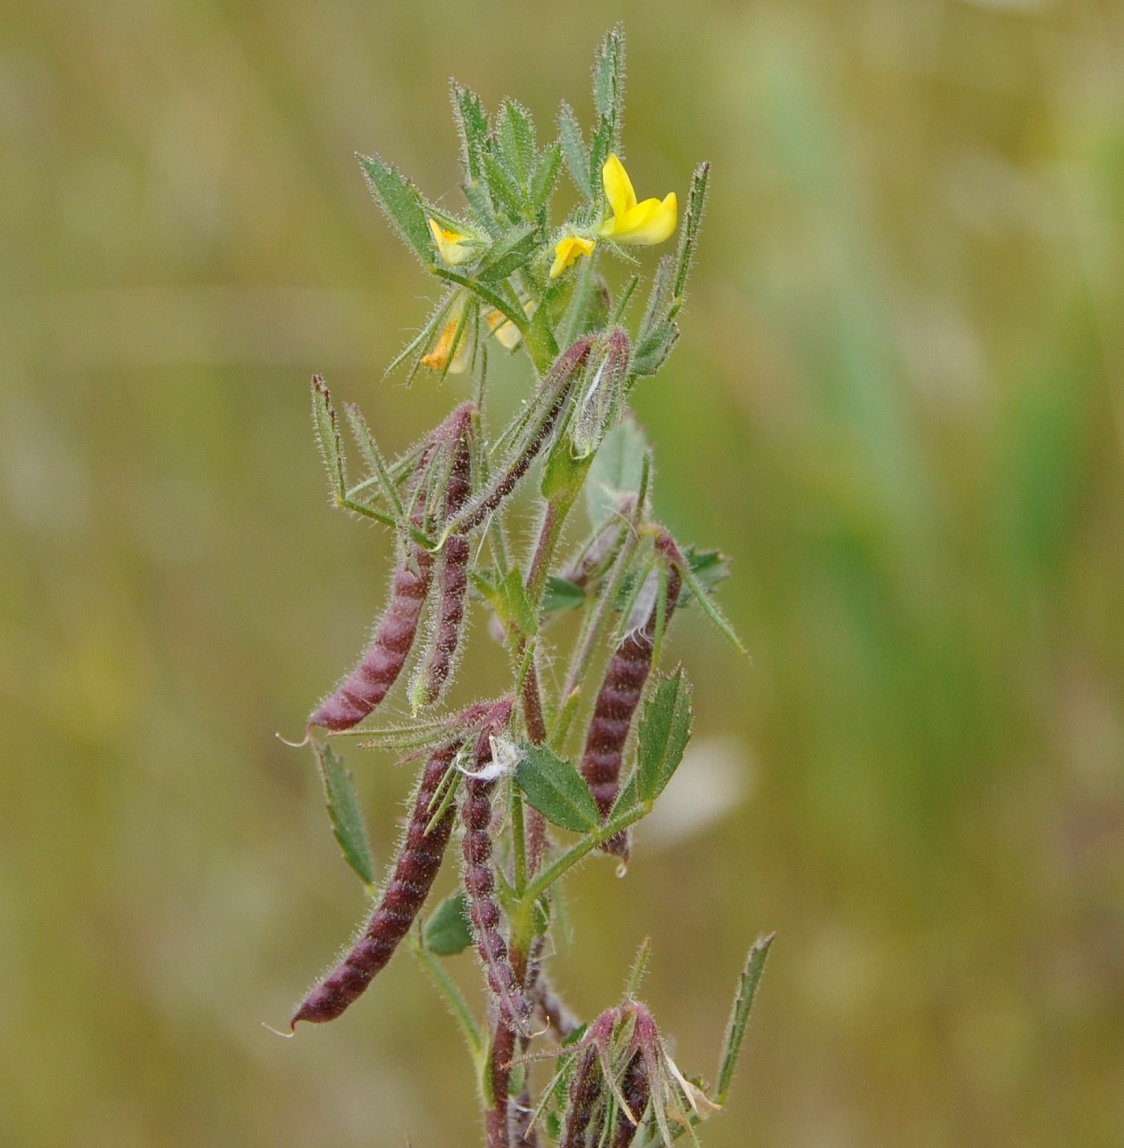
(557, 386)
(419, 858)
(587, 1083)
(637, 1091)
(595, 556)
(452, 571)
(480, 881)
(367, 685)
(620, 695)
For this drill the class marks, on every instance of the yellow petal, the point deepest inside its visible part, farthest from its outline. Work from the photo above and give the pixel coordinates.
(568, 251)
(451, 244)
(647, 223)
(438, 356)
(618, 187)
(506, 332)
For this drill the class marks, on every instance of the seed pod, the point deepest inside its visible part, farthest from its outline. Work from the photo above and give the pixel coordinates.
(620, 695)
(637, 1092)
(556, 389)
(452, 571)
(419, 859)
(598, 408)
(367, 685)
(586, 1085)
(480, 882)
(370, 681)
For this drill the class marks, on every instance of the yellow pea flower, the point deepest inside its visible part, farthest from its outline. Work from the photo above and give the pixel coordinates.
(455, 246)
(568, 251)
(439, 355)
(645, 223)
(506, 332)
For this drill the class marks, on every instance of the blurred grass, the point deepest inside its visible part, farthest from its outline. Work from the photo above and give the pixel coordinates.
(898, 404)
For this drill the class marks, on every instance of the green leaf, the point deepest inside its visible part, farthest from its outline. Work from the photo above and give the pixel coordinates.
(711, 610)
(348, 826)
(689, 234)
(328, 437)
(561, 594)
(540, 341)
(472, 128)
(617, 470)
(710, 567)
(546, 175)
(556, 789)
(608, 84)
(659, 301)
(652, 351)
(401, 204)
(449, 930)
(373, 456)
(508, 253)
(563, 475)
(665, 730)
(509, 599)
(739, 1015)
(573, 148)
(503, 184)
(600, 147)
(516, 132)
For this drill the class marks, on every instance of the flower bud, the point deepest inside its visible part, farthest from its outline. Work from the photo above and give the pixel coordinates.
(600, 403)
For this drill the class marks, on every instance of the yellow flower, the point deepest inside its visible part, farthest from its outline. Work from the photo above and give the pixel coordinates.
(645, 223)
(438, 357)
(506, 332)
(568, 251)
(455, 246)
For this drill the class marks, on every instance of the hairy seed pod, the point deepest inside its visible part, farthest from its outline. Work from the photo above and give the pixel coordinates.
(587, 1083)
(419, 859)
(367, 685)
(452, 571)
(637, 1091)
(556, 386)
(595, 556)
(480, 884)
(585, 1091)
(370, 681)
(620, 695)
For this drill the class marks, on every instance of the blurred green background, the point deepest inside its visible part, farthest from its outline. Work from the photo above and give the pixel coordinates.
(898, 403)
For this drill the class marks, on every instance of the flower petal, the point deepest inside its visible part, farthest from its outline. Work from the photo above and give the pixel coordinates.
(568, 251)
(618, 187)
(646, 224)
(455, 248)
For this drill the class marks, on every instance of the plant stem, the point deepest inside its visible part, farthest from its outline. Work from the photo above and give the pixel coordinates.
(587, 844)
(466, 1022)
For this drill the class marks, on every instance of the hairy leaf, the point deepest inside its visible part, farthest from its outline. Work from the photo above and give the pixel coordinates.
(348, 826)
(556, 789)
(617, 470)
(739, 1015)
(665, 730)
(328, 437)
(401, 204)
(448, 930)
